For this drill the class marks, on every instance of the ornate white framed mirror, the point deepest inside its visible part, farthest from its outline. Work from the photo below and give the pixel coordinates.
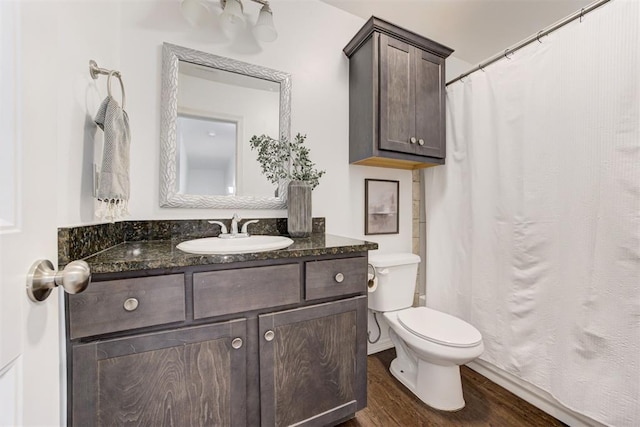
(210, 108)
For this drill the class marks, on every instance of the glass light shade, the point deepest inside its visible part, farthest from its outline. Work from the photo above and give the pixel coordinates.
(232, 20)
(194, 11)
(264, 30)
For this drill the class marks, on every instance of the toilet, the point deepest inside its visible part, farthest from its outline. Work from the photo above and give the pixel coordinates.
(430, 345)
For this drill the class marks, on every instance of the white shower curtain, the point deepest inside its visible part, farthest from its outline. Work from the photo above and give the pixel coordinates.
(533, 225)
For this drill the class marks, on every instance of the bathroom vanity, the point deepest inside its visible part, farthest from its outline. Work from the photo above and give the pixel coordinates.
(163, 337)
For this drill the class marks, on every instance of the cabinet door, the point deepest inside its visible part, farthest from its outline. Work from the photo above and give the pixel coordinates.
(184, 377)
(397, 95)
(430, 98)
(313, 363)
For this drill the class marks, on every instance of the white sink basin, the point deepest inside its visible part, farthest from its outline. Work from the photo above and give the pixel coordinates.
(240, 245)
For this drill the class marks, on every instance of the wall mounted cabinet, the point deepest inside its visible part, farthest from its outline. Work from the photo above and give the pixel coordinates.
(396, 97)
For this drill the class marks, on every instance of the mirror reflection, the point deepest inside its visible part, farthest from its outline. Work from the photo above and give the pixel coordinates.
(206, 155)
(211, 107)
(218, 112)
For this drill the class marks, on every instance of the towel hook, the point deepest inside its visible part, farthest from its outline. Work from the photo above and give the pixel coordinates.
(117, 74)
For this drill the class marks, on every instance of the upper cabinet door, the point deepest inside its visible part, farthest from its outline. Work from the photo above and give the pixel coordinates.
(397, 95)
(429, 107)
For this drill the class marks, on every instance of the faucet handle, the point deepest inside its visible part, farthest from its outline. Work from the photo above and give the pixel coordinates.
(223, 228)
(245, 226)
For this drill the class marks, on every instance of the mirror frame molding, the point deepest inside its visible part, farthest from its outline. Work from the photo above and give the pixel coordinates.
(169, 197)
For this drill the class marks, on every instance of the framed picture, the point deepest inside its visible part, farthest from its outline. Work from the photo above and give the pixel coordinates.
(381, 214)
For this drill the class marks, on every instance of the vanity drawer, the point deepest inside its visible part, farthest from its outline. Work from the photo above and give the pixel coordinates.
(335, 277)
(118, 305)
(232, 291)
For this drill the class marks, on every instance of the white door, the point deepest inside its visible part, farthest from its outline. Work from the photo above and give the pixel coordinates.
(31, 365)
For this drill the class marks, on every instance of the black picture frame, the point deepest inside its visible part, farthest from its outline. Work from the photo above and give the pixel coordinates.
(382, 206)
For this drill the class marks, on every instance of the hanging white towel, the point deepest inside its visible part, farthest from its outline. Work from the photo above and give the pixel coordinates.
(112, 190)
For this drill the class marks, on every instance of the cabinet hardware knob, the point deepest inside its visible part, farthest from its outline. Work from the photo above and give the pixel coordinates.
(421, 141)
(130, 304)
(236, 343)
(339, 277)
(412, 140)
(269, 335)
(42, 278)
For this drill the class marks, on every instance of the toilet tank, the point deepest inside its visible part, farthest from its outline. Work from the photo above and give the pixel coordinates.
(396, 276)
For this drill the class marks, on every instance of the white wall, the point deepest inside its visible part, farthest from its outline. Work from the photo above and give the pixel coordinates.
(58, 40)
(455, 67)
(128, 36)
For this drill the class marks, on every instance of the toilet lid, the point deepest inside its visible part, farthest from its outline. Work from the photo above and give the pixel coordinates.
(439, 327)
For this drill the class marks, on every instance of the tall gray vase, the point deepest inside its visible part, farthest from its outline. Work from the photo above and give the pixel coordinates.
(299, 209)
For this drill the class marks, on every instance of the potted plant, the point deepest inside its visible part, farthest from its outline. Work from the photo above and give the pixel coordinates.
(289, 160)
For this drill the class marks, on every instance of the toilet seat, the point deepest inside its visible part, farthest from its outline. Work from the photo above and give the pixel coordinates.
(438, 327)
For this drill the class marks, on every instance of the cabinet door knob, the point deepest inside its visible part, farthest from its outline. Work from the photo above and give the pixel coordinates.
(339, 277)
(412, 140)
(421, 141)
(130, 304)
(236, 343)
(269, 335)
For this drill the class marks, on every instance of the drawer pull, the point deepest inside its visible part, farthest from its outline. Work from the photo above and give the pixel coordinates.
(236, 343)
(339, 277)
(421, 141)
(412, 140)
(269, 335)
(130, 304)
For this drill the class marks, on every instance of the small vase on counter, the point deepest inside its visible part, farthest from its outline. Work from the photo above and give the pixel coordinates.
(299, 221)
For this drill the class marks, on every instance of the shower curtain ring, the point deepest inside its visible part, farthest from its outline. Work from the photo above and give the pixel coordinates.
(462, 76)
(506, 54)
(581, 14)
(538, 36)
(481, 68)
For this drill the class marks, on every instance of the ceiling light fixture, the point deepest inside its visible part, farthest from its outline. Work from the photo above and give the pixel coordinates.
(232, 18)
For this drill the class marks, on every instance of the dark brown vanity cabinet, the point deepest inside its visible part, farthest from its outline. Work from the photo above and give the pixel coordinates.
(396, 97)
(311, 368)
(263, 343)
(182, 377)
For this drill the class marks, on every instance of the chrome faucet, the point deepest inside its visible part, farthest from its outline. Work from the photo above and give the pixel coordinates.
(234, 224)
(224, 234)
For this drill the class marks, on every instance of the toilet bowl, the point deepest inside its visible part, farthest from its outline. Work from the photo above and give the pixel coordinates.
(430, 345)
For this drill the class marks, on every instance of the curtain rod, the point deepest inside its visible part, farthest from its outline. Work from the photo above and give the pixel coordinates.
(579, 14)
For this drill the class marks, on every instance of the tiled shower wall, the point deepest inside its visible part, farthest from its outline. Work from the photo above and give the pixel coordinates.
(419, 232)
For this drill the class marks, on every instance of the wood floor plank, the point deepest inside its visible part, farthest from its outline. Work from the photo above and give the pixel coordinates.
(487, 404)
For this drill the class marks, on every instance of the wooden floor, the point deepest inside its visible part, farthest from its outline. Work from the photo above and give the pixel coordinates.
(487, 404)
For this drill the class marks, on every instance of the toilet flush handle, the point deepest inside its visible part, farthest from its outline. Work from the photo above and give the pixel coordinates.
(383, 271)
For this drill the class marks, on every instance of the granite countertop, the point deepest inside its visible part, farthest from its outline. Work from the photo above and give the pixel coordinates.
(152, 254)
